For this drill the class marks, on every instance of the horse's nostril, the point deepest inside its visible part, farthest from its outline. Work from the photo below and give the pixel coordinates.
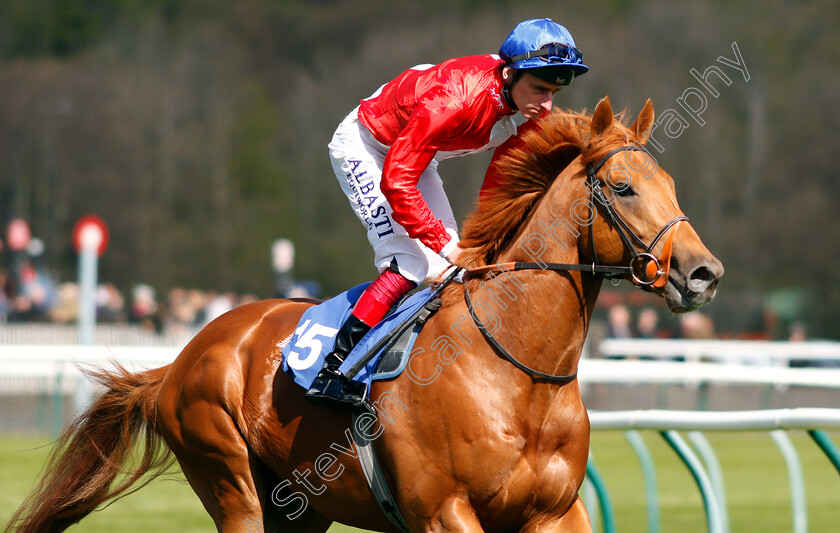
(702, 279)
(702, 274)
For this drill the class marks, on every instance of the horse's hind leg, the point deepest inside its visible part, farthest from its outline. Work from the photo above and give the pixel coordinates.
(214, 459)
(218, 463)
(236, 488)
(272, 490)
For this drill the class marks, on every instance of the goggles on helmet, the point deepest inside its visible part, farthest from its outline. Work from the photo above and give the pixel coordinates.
(553, 53)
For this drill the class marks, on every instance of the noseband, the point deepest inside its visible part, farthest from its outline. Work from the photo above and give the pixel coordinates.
(644, 270)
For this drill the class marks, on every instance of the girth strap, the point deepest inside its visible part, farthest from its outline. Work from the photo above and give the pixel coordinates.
(375, 477)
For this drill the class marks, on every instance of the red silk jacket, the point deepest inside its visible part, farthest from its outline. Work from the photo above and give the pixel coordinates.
(436, 112)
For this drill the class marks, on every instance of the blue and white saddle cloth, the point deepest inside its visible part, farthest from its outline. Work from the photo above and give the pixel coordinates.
(314, 338)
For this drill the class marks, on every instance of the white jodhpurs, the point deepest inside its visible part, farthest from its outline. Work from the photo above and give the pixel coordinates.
(357, 159)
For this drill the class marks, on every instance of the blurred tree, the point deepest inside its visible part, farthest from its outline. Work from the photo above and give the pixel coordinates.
(198, 128)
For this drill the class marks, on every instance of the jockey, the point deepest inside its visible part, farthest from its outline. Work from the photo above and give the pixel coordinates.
(385, 155)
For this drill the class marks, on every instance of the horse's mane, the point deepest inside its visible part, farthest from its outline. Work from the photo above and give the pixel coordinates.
(527, 174)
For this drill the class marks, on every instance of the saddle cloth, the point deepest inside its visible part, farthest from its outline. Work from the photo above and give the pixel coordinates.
(314, 338)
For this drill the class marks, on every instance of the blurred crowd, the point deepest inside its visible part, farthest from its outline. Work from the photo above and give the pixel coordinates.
(36, 297)
(622, 321)
(31, 295)
(647, 324)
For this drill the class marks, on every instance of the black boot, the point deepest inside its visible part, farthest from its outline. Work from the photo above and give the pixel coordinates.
(331, 386)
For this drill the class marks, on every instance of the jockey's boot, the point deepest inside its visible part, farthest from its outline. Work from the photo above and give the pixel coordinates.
(331, 386)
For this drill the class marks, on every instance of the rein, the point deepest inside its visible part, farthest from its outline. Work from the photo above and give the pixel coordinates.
(507, 355)
(644, 270)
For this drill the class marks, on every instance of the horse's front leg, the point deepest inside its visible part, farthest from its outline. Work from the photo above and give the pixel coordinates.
(455, 515)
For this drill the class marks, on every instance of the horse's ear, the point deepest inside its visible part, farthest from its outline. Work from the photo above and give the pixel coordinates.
(641, 128)
(602, 118)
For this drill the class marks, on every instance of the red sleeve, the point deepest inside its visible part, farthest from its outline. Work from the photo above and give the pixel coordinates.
(409, 156)
(492, 179)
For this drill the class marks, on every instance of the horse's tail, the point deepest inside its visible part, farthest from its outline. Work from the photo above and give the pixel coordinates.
(90, 455)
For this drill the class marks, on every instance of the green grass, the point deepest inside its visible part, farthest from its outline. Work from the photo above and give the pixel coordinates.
(755, 479)
(755, 476)
(166, 504)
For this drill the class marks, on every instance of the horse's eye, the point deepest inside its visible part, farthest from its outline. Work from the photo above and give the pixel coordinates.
(625, 190)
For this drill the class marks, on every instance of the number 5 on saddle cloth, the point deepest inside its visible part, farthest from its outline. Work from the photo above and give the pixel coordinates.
(379, 355)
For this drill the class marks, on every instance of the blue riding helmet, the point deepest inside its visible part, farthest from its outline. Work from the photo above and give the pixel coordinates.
(545, 49)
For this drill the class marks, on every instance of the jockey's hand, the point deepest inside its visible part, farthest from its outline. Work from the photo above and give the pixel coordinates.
(453, 256)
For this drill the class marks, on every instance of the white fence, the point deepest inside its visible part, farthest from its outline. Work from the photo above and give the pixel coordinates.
(22, 362)
(48, 373)
(766, 420)
(41, 387)
(774, 353)
(41, 368)
(624, 372)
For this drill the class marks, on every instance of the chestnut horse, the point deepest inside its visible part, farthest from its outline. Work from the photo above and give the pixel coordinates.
(468, 441)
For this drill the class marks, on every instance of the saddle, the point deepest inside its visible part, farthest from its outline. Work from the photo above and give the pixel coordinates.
(380, 355)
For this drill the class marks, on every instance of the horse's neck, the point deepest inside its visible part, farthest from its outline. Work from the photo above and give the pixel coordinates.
(554, 307)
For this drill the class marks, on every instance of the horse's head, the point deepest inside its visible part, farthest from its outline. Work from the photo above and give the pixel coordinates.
(640, 223)
(584, 189)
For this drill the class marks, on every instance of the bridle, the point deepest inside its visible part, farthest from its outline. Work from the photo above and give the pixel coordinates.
(640, 265)
(645, 270)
